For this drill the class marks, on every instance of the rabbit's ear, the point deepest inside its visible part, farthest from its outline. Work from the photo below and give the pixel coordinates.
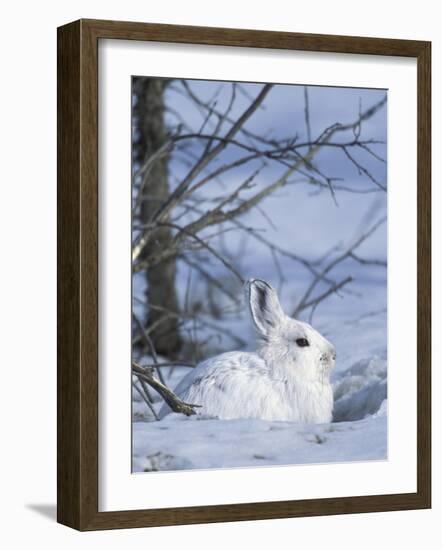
(265, 308)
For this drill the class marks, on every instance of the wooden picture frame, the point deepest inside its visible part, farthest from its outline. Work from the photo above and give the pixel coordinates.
(78, 274)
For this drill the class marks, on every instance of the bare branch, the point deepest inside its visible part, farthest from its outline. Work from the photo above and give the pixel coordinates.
(169, 364)
(367, 315)
(206, 323)
(332, 290)
(207, 157)
(212, 280)
(148, 403)
(174, 402)
(364, 261)
(145, 336)
(307, 113)
(363, 170)
(169, 253)
(333, 263)
(338, 127)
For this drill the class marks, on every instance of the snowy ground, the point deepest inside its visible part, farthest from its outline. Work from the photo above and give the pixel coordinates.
(179, 444)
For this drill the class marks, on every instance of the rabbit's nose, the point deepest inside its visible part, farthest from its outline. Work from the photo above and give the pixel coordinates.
(330, 356)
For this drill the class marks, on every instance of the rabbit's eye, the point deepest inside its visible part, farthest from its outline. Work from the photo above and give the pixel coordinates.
(302, 342)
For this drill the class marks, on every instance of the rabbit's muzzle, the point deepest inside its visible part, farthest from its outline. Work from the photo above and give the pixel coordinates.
(328, 358)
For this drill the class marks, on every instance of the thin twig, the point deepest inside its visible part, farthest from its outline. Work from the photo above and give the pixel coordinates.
(149, 405)
(145, 336)
(333, 290)
(174, 402)
(228, 265)
(206, 158)
(307, 113)
(333, 263)
(169, 364)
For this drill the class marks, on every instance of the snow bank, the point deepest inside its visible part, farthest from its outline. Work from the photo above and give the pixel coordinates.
(361, 390)
(178, 443)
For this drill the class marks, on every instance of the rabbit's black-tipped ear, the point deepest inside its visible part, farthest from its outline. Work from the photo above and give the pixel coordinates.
(265, 308)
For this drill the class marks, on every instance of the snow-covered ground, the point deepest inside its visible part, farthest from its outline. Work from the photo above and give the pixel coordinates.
(177, 443)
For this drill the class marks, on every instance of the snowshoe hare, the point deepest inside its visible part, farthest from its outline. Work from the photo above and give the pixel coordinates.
(287, 378)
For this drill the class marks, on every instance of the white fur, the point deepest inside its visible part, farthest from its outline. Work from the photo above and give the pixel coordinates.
(281, 381)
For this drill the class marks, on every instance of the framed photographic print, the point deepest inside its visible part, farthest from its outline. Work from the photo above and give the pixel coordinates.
(243, 275)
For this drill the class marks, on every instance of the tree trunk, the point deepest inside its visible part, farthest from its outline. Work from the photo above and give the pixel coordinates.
(151, 134)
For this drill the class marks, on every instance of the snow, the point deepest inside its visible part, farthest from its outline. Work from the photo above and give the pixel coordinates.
(180, 443)
(360, 391)
(176, 443)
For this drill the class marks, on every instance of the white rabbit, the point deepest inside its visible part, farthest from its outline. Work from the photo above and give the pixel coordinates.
(286, 379)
